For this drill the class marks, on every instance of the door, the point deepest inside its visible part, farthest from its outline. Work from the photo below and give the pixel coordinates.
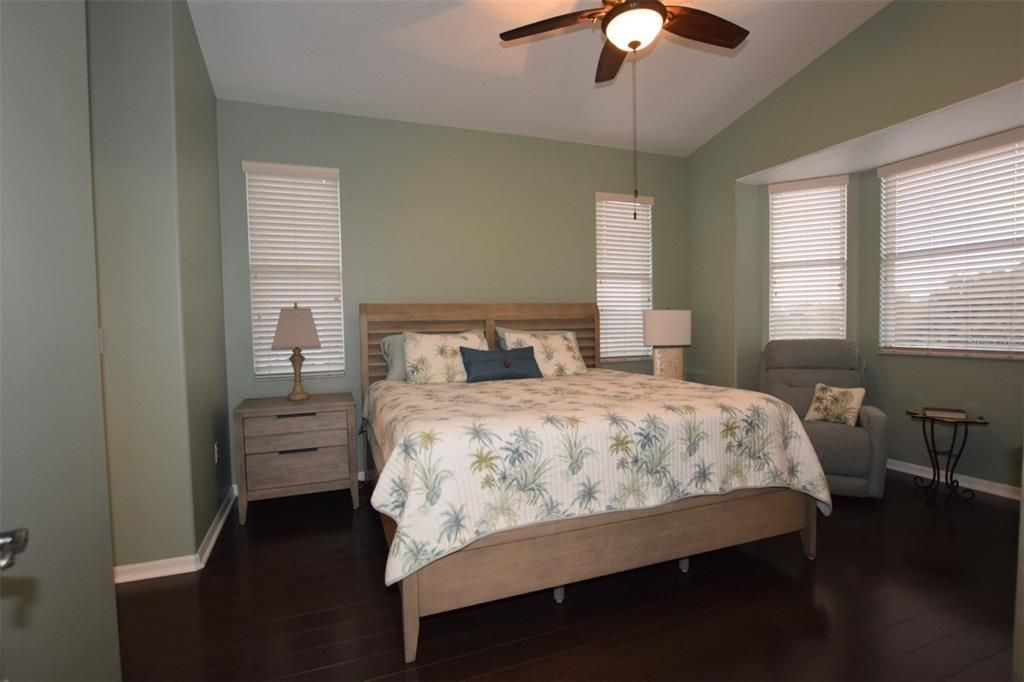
(57, 609)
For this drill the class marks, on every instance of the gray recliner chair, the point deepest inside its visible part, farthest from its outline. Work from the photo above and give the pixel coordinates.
(853, 457)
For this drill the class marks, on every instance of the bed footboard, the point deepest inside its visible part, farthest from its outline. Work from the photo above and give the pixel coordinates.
(554, 554)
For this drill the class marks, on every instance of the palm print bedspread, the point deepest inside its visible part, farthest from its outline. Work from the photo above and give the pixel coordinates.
(467, 460)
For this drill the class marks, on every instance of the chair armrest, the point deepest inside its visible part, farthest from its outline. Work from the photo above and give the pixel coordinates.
(872, 418)
(874, 422)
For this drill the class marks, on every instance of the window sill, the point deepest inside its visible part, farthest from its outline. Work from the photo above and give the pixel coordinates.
(305, 375)
(950, 353)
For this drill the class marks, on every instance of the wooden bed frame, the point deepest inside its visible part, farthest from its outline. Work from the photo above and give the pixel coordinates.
(556, 553)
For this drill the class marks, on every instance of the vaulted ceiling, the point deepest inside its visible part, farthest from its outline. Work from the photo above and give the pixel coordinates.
(440, 62)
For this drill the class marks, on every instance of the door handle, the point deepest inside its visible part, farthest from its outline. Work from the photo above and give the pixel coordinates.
(12, 543)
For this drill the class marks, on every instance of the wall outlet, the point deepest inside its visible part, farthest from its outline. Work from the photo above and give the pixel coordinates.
(216, 452)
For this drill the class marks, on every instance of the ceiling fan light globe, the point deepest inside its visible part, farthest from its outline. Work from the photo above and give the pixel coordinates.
(634, 29)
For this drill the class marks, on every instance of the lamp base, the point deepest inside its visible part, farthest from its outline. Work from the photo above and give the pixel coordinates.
(298, 391)
(668, 362)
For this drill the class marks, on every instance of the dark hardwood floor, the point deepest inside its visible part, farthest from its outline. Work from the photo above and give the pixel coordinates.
(903, 589)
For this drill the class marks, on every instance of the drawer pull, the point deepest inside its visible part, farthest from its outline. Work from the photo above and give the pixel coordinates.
(296, 451)
(297, 414)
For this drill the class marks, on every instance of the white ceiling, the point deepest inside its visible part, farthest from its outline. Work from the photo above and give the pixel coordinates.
(441, 62)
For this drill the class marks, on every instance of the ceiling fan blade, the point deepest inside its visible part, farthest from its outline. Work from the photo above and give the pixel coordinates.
(545, 25)
(704, 27)
(609, 62)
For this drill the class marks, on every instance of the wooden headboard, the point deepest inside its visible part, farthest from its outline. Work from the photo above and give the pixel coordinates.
(377, 320)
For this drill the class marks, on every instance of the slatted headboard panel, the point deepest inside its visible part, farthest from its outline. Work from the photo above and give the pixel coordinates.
(377, 320)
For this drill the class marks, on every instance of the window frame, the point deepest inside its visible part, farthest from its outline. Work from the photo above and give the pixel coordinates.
(943, 158)
(809, 185)
(644, 201)
(328, 174)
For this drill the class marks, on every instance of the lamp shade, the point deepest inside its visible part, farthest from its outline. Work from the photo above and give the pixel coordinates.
(295, 329)
(666, 327)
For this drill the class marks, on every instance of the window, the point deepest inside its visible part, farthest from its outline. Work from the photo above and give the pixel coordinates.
(807, 259)
(294, 257)
(624, 273)
(952, 268)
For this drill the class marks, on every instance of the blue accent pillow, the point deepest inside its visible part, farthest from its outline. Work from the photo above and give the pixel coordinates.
(497, 365)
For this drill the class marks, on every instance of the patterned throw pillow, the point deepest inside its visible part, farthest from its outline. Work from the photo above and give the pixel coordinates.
(557, 353)
(435, 358)
(831, 404)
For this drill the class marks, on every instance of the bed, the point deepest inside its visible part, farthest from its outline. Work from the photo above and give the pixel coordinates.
(487, 491)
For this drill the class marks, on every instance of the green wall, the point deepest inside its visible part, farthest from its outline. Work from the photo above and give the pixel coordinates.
(134, 169)
(58, 612)
(438, 214)
(909, 59)
(155, 188)
(202, 296)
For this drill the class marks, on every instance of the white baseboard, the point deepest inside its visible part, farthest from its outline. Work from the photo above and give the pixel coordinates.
(156, 569)
(979, 484)
(180, 564)
(213, 532)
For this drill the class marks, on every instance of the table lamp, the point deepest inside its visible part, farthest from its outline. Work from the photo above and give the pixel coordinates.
(296, 330)
(667, 331)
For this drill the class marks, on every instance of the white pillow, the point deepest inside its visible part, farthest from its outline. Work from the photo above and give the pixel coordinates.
(557, 353)
(831, 404)
(435, 358)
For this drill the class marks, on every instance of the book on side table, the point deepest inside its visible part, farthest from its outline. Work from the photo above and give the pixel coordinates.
(944, 412)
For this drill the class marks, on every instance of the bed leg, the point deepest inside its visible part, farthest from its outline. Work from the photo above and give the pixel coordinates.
(809, 535)
(410, 616)
(559, 594)
(684, 564)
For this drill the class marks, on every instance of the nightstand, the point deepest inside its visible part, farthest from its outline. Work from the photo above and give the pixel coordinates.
(287, 448)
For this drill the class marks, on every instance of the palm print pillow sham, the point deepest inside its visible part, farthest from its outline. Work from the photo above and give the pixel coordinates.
(831, 404)
(557, 353)
(435, 358)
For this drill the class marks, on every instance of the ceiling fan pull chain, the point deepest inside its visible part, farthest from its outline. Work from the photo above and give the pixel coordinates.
(636, 182)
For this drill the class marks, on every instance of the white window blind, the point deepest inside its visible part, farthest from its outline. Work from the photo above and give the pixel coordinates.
(624, 273)
(807, 259)
(294, 257)
(952, 268)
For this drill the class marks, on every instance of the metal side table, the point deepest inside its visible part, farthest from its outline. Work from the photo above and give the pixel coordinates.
(952, 453)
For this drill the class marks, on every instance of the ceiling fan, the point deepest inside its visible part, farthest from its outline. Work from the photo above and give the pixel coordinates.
(632, 25)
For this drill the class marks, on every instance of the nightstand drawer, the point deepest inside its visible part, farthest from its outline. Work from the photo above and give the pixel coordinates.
(277, 469)
(295, 441)
(295, 423)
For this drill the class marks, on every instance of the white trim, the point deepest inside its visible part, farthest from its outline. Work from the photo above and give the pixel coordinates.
(315, 172)
(982, 144)
(979, 484)
(213, 532)
(189, 563)
(628, 198)
(156, 569)
(813, 183)
(952, 353)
